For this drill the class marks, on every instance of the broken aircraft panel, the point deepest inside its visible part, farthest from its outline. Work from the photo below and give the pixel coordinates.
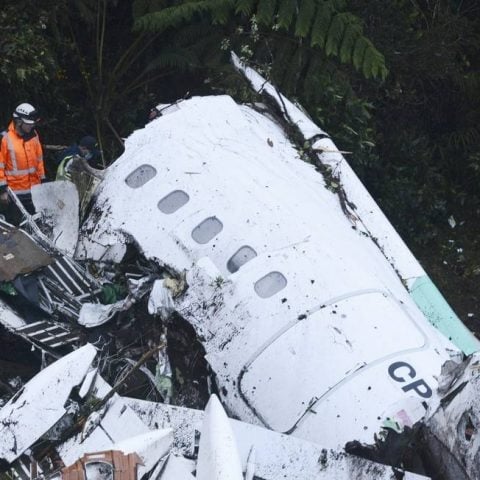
(129, 438)
(451, 431)
(303, 319)
(51, 280)
(41, 403)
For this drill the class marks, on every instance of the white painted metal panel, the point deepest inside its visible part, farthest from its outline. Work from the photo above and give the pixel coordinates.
(40, 405)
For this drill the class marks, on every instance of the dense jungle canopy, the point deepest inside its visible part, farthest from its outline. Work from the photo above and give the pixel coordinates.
(394, 82)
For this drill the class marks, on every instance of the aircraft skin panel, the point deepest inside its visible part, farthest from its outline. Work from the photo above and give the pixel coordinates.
(309, 346)
(270, 217)
(369, 214)
(396, 390)
(372, 219)
(47, 392)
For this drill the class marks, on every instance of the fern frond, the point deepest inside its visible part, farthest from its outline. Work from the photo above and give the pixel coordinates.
(222, 11)
(245, 6)
(306, 14)
(142, 7)
(351, 33)
(266, 11)
(359, 52)
(286, 12)
(334, 35)
(373, 65)
(171, 16)
(322, 24)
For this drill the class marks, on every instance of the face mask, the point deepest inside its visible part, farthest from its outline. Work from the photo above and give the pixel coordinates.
(88, 155)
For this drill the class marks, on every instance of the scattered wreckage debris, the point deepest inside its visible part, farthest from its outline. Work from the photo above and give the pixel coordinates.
(295, 319)
(451, 430)
(59, 304)
(126, 438)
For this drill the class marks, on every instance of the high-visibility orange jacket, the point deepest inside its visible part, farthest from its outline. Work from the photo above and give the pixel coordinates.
(21, 160)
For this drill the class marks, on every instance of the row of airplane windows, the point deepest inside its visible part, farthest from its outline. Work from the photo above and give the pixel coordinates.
(206, 230)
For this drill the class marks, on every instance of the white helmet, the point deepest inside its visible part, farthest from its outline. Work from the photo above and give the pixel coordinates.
(27, 113)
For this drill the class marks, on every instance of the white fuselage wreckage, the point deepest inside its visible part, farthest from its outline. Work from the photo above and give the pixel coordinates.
(308, 328)
(316, 319)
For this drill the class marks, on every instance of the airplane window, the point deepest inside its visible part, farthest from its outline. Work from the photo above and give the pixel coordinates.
(270, 284)
(173, 201)
(207, 230)
(98, 471)
(240, 257)
(140, 176)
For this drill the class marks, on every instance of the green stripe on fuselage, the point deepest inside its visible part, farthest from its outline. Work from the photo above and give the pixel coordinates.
(439, 313)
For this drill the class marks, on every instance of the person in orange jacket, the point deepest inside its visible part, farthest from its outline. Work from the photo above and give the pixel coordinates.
(21, 157)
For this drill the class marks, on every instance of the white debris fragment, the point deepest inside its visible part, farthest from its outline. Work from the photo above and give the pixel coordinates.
(160, 301)
(176, 469)
(277, 456)
(452, 430)
(88, 383)
(218, 457)
(58, 204)
(96, 314)
(452, 222)
(150, 447)
(40, 405)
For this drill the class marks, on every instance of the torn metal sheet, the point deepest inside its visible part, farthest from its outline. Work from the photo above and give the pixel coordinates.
(96, 314)
(160, 301)
(57, 203)
(45, 334)
(41, 403)
(452, 430)
(150, 447)
(19, 253)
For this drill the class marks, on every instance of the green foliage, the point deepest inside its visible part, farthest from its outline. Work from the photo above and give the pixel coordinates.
(173, 16)
(319, 22)
(306, 12)
(28, 59)
(286, 13)
(266, 11)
